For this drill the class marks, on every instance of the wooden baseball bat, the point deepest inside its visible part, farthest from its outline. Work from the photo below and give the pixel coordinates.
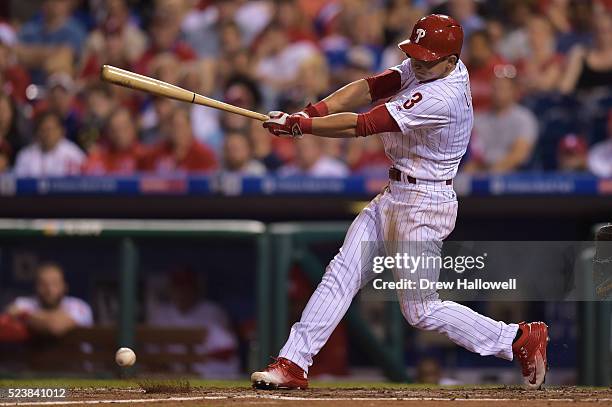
(144, 83)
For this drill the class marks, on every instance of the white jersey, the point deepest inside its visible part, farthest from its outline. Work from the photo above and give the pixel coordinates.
(436, 120)
(78, 310)
(65, 159)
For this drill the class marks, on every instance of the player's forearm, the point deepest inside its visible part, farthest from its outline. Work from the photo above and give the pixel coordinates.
(350, 97)
(345, 125)
(340, 125)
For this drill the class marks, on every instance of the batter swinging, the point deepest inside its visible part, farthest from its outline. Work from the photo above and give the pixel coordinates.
(425, 127)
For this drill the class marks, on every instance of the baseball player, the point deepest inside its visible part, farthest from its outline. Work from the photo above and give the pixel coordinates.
(425, 126)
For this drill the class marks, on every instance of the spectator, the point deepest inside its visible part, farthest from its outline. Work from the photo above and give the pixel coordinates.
(53, 41)
(540, 70)
(11, 139)
(51, 154)
(465, 11)
(51, 311)
(334, 148)
(295, 22)
(205, 122)
(514, 45)
(159, 111)
(61, 98)
(118, 41)
(231, 38)
(263, 150)
(238, 156)
(335, 43)
(313, 80)
(482, 63)
(572, 20)
(368, 156)
(505, 135)
(269, 55)
(242, 92)
(115, 43)
(558, 13)
(237, 63)
(120, 154)
(99, 104)
(310, 161)
(180, 151)
(589, 68)
(6, 156)
(572, 154)
(360, 63)
(165, 30)
(14, 79)
(190, 308)
(600, 156)
(399, 17)
(206, 22)
(252, 17)
(278, 61)
(366, 31)
(166, 66)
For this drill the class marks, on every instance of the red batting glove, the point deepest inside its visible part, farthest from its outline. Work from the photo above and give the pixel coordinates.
(282, 124)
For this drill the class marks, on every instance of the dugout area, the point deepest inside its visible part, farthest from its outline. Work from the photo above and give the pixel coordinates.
(270, 249)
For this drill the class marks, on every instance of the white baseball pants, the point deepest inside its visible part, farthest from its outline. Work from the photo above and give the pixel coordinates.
(404, 217)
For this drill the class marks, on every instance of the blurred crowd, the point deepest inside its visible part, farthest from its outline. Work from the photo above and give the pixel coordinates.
(540, 70)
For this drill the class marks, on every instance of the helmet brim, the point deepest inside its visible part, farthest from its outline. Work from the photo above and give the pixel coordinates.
(417, 51)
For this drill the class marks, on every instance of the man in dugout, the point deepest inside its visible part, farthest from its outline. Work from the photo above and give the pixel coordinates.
(50, 312)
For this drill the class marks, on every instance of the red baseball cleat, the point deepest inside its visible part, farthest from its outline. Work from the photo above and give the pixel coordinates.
(282, 374)
(530, 350)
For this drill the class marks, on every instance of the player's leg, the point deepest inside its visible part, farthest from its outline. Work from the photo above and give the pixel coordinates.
(344, 276)
(423, 309)
(421, 221)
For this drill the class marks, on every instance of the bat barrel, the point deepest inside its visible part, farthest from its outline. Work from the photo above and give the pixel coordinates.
(144, 83)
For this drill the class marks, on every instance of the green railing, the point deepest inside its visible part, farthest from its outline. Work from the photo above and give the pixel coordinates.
(594, 327)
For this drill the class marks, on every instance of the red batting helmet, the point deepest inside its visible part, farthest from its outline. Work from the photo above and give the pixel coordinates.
(433, 37)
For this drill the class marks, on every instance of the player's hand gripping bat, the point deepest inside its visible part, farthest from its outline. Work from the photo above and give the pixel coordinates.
(156, 87)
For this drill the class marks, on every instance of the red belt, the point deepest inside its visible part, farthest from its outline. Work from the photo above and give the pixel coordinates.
(396, 175)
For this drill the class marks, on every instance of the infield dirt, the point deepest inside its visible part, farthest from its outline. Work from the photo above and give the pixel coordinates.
(349, 397)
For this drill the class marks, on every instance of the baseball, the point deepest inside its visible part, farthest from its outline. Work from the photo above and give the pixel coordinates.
(125, 357)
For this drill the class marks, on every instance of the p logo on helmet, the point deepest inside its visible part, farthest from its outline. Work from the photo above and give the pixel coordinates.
(433, 37)
(420, 33)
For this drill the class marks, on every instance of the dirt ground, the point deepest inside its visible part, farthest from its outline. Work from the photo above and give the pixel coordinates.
(349, 397)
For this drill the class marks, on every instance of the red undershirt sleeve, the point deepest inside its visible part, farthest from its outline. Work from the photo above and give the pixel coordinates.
(385, 84)
(377, 120)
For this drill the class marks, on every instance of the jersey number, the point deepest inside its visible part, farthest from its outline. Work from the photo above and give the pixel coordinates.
(416, 98)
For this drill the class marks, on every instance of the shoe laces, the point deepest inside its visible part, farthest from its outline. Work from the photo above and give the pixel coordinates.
(278, 362)
(523, 357)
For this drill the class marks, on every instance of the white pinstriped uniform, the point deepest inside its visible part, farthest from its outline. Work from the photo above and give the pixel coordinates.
(435, 119)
